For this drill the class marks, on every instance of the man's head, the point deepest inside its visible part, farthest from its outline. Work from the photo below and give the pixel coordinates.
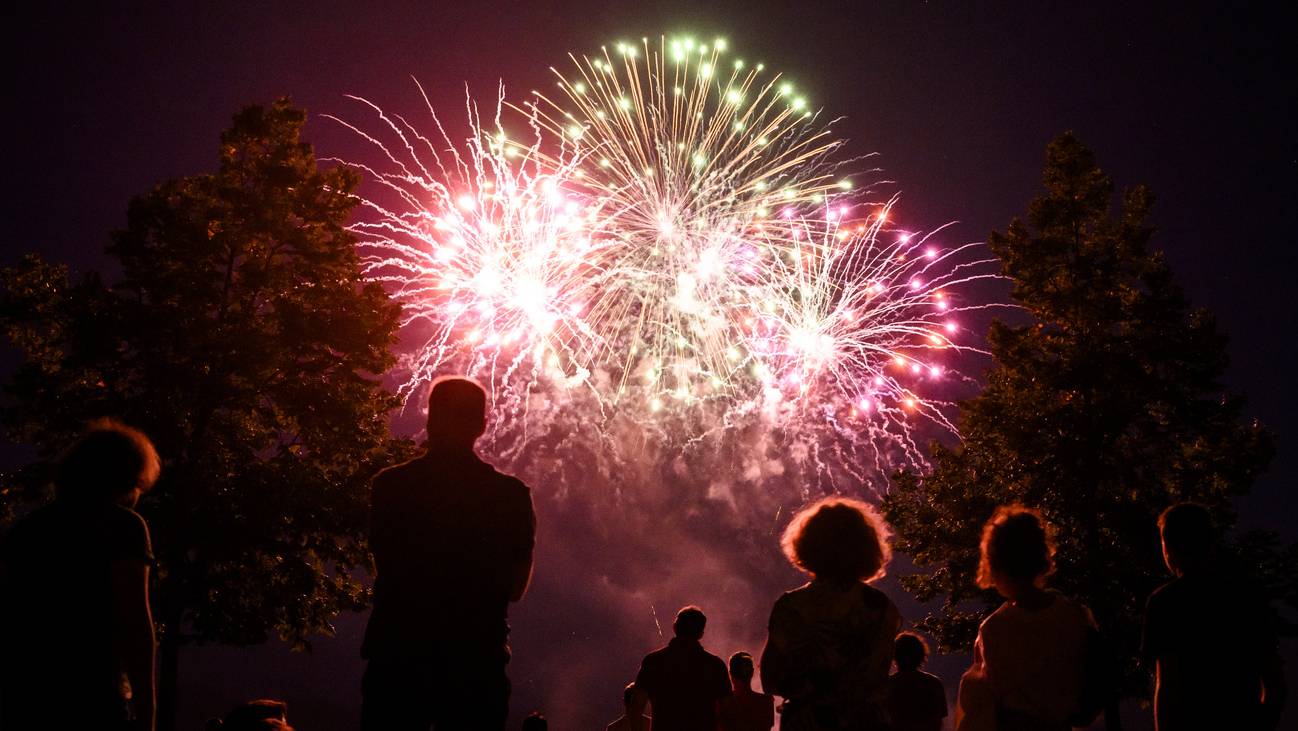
(535, 722)
(111, 462)
(689, 623)
(1188, 537)
(909, 651)
(457, 412)
(741, 668)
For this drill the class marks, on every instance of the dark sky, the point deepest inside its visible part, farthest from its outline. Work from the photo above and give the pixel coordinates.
(959, 100)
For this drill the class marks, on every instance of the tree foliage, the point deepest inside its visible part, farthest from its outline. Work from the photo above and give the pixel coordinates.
(242, 338)
(1104, 409)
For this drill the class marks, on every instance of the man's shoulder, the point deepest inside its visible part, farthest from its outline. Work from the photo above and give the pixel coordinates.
(509, 483)
(1170, 593)
(997, 619)
(56, 515)
(393, 477)
(499, 478)
(414, 466)
(429, 467)
(874, 598)
(790, 600)
(716, 663)
(912, 678)
(655, 656)
(929, 679)
(1071, 610)
(125, 518)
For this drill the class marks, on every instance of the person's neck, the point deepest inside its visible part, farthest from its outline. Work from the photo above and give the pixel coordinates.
(449, 446)
(741, 687)
(1031, 598)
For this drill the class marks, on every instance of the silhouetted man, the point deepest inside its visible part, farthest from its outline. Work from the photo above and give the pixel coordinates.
(452, 541)
(682, 682)
(1209, 636)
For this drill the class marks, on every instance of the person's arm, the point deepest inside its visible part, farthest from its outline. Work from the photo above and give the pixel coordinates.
(522, 570)
(975, 704)
(880, 651)
(1274, 691)
(1167, 684)
(774, 663)
(721, 691)
(639, 701)
(939, 701)
(133, 635)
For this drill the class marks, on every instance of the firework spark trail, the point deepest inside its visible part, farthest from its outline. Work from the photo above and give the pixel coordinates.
(670, 237)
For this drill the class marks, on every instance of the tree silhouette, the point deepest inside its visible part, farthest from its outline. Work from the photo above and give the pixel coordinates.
(1102, 411)
(242, 338)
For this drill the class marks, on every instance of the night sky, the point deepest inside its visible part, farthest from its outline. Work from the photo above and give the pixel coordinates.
(958, 100)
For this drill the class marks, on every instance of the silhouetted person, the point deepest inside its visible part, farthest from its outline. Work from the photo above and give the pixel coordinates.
(78, 642)
(916, 699)
(452, 541)
(535, 722)
(682, 682)
(829, 642)
(1029, 659)
(745, 709)
(629, 721)
(1209, 636)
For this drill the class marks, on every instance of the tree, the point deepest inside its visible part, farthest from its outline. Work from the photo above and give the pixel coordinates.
(244, 340)
(1104, 410)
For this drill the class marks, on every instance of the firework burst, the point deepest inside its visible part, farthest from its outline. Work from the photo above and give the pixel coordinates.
(673, 237)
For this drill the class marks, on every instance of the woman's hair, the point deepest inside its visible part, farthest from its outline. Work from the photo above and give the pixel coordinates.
(1018, 544)
(838, 538)
(107, 462)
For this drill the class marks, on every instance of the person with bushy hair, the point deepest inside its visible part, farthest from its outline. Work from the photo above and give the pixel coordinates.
(1209, 636)
(76, 635)
(1030, 657)
(829, 642)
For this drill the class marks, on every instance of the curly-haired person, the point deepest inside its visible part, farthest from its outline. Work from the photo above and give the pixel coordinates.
(76, 635)
(1030, 656)
(829, 642)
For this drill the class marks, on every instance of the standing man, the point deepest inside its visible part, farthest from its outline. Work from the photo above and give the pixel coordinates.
(682, 682)
(1209, 636)
(452, 541)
